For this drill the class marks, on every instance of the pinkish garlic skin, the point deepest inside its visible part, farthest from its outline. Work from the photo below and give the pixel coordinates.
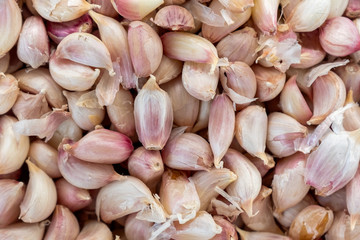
(70, 196)
(136, 229)
(228, 229)
(57, 31)
(106, 8)
(353, 9)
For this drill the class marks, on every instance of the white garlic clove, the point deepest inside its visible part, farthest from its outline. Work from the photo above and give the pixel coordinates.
(4, 62)
(337, 8)
(9, 92)
(94, 230)
(264, 15)
(167, 70)
(24, 231)
(67, 129)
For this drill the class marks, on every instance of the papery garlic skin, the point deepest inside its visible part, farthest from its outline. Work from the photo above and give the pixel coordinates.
(352, 195)
(153, 115)
(339, 37)
(11, 194)
(136, 229)
(67, 129)
(335, 201)
(94, 230)
(10, 27)
(261, 235)
(135, 10)
(9, 92)
(24, 231)
(29, 106)
(228, 229)
(264, 15)
(40, 196)
(352, 10)
(106, 8)
(33, 45)
(13, 147)
(236, 5)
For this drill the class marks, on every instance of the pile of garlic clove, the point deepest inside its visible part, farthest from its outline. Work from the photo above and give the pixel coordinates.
(179, 119)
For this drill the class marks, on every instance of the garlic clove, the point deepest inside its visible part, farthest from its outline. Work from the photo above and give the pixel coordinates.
(337, 8)
(339, 37)
(12, 193)
(175, 18)
(336, 201)
(34, 81)
(351, 120)
(251, 130)
(352, 10)
(189, 47)
(237, 6)
(121, 113)
(349, 74)
(64, 225)
(106, 8)
(260, 235)
(85, 117)
(340, 229)
(178, 195)
(293, 103)
(67, 129)
(29, 106)
(43, 127)
(24, 231)
(270, 82)
(94, 230)
(324, 86)
(62, 10)
(44, 156)
(167, 70)
(174, 2)
(115, 38)
(236, 19)
(261, 165)
(185, 106)
(204, 88)
(147, 166)
(289, 187)
(126, 196)
(221, 127)
(311, 223)
(76, 77)
(40, 196)
(13, 147)
(351, 199)
(264, 15)
(194, 229)
(57, 31)
(94, 175)
(240, 45)
(10, 27)
(136, 229)
(203, 116)
(135, 10)
(188, 151)
(33, 45)
(248, 184)
(153, 115)
(9, 92)
(101, 146)
(228, 229)
(4, 62)
(86, 49)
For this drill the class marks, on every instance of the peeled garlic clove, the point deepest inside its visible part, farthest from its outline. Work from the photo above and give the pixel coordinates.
(135, 10)
(251, 130)
(261, 235)
(86, 49)
(24, 231)
(126, 196)
(189, 47)
(45, 157)
(93, 230)
(240, 45)
(203, 116)
(317, 12)
(61, 10)
(4, 62)
(121, 113)
(283, 130)
(70, 196)
(293, 103)
(185, 106)
(174, 18)
(221, 127)
(10, 27)
(106, 8)
(33, 45)
(270, 82)
(178, 196)
(351, 199)
(236, 5)
(194, 229)
(85, 117)
(147, 166)
(136, 229)
(40, 196)
(188, 151)
(64, 225)
(236, 19)
(350, 75)
(288, 184)
(339, 37)
(206, 182)
(167, 70)
(9, 92)
(13, 147)
(228, 229)
(29, 106)
(12, 193)
(93, 175)
(264, 15)
(34, 81)
(153, 115)
(248, 184)
(71, 75)
(324, 86)
(311, 223)
(67, 129)
(239, 83)
(352, 10)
